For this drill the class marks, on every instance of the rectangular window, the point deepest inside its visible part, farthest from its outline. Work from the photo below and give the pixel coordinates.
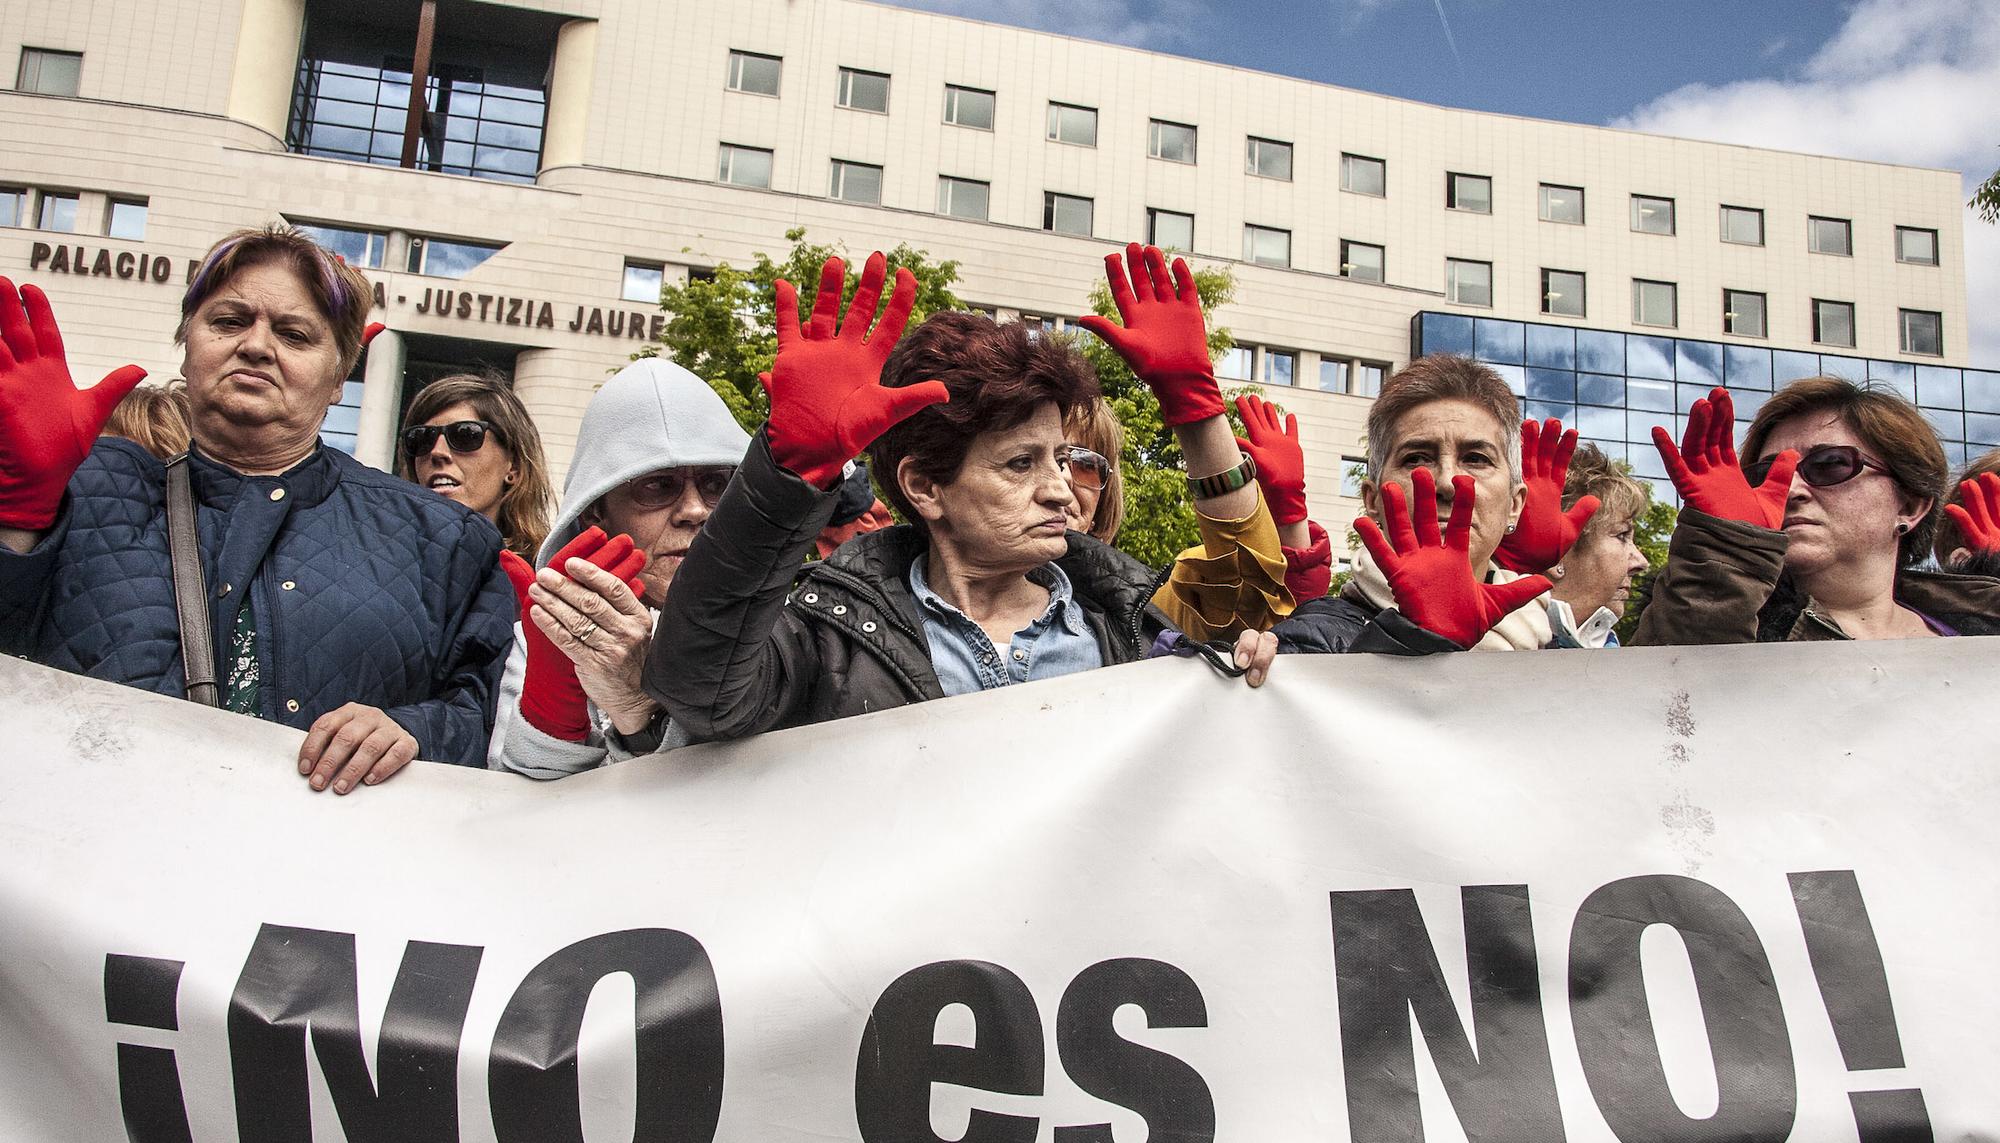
(1655, 303)
(1829, 235)
(58, 211)
(1562, 204)
(1743, 313)
(1921, 332)
(1833, 322)
(1362, 261)
(1267, 246)
(1363, 175)
(643, 282)
(1071, 124)
(1652, 215)
(968, 107)
(1268, 158)
(1234, 364)
(1169, 229)
(1562, 293)
(745, 166)
(361, 248)
(1173, 142)
(1743, 225)
(753, 73)
(1353, 470)
(1368, 377)
(963, 198)
(126, 218)
(1066, 213)
(1281, 367)
(1468, 283)
(1468, 192)
(864, 90)
(855, 182)
(1332, 374)
(46, 72)
(442, 258)
(13, 205)
(1917, 247)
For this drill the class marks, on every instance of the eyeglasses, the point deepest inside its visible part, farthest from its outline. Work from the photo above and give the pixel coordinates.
(664, 488)
(1823, 466)
(1087, 469)
(459, 436)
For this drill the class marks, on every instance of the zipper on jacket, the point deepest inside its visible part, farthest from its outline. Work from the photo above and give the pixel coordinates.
(1139, 613)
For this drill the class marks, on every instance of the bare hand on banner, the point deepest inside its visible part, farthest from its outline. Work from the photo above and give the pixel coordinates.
(354, 745)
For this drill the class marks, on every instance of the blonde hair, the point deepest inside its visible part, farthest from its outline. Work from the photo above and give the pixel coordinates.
(1619, 495)
(155, 417)
(1096, 428)
(523, 511)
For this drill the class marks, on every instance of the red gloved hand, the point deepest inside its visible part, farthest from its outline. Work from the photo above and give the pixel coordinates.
(552, 700)
(1705, 471)
(1309, 570)
(47, 424)
(368, 335)
(1433, 579)
(1163, 339)
(1545, 531)
(1978, 513)
(1281, 460)
(827, 400)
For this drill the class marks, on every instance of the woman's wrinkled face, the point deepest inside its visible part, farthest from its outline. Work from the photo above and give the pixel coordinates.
(1598, 571)
(1009, 506)
(477, 479)
(1454, 438)
(1848, 522)
(260, 354)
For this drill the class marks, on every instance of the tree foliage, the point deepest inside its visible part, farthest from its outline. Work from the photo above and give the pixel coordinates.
(1986, 199)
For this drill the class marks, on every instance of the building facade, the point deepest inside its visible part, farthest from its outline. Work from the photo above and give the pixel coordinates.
(571, 156)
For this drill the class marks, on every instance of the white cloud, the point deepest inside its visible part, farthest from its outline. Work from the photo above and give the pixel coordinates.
(1154, 24)
(1915, 82)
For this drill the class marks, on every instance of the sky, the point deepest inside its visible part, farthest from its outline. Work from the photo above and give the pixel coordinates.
(1915, 82)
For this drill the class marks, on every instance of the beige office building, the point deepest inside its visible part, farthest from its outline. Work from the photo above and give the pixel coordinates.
(574, 154)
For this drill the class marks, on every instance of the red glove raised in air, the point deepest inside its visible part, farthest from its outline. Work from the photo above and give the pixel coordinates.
(1281, 460)
(47, 424)
(1163, 339)
(1432, 577)
(827, 400)
(1705, 471)
(1545, 531)
(1309, 570)
(1978, 513)
(552, 700)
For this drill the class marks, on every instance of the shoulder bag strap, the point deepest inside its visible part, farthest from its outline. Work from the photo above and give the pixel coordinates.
(190, 591)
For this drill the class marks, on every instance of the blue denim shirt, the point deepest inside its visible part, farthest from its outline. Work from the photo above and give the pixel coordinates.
(1060, 642)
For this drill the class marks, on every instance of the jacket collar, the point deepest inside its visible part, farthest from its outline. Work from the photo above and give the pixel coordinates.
(309, 482)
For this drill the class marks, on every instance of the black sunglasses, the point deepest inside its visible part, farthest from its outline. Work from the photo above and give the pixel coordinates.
(1823, 466)
(664, 488)
(459, 436)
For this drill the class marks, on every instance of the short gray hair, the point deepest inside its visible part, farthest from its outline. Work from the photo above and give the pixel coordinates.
(1443, 377)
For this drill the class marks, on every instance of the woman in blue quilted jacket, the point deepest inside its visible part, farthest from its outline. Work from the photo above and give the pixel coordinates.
(354, 606)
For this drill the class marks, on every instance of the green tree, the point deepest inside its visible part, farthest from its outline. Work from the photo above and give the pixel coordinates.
(1986, 199)
(723, 328)
(1651, 531)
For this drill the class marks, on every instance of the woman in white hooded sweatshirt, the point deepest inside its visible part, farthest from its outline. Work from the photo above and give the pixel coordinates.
(654, 452)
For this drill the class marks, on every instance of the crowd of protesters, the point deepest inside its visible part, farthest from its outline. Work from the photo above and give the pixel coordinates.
(697, 582)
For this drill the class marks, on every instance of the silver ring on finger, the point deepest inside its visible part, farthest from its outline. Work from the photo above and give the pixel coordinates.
(589, 629)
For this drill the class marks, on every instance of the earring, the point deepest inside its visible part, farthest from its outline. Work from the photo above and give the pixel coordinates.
(1510, 529)
(1555, 572)
(1902, 529)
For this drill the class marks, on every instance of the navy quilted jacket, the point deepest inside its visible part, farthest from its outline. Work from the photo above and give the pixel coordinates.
(365, 588)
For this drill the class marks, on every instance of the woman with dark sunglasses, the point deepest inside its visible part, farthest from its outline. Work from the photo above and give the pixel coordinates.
(471, 441)
(1814, 534)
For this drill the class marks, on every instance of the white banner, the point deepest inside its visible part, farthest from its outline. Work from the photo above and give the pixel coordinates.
(1737, 893)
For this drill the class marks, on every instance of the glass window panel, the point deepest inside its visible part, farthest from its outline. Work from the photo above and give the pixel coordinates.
(1169, 229)
(58, 212)
(1543, 410)
(49, 72)
(1563, 293)
(1551, 384)
(1686, 395)
(13, 201)
(1613, 450)
(1070, 124)
(1515, 376)
(1649, 357)
(1269, 159)
(1948, 423)
(1655, 303)
(1954, 455)
(1552, 345)
(855, 182)
(510, 135)
(361, 248)
(341, 113)
(1652, 215)
(1921, 331)
(1787, 366)
(1698, 363)
(1362, 261)
(1469, 192)
(1743, 313)
(1829, 236)
(526, 112)
(1917, 247)
(1499, 342)
(1939, 387)
(1468, 283)
(1333, 375)
(1446, 333)
(1743, 225)
(1651, 396)
(1173, 142)
(1561, 204)
(1235, 363)
(1851, 368)
(1901, 374)
(1982, 429)
(1747, 404)
(1267, 246)
(1353, 470)
(1645, 459)
(1982, 390)
(963, 198)
(1599, 351)
(1600, 389)
(1833, 322)
(1280, 366)
(1748, 367)
(1368, 378)
(968, 107)
(1363, 175)
(863, 90)
(745, 166)
(341, 419)
(757, 74)
(642, 283)
(1595, 422)
(438, 258)
(1639, 425)
(126, 220)
(1066, 214)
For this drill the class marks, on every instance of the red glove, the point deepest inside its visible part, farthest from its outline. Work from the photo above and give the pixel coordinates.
(1432, 579)
(1309, 570)
(368, 335)
(1705, 471)
(1281, 460)
(1163, 339)
(47, 424)
(1978, 513)
(552, 700)
(827, 400)
(1545, 531)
